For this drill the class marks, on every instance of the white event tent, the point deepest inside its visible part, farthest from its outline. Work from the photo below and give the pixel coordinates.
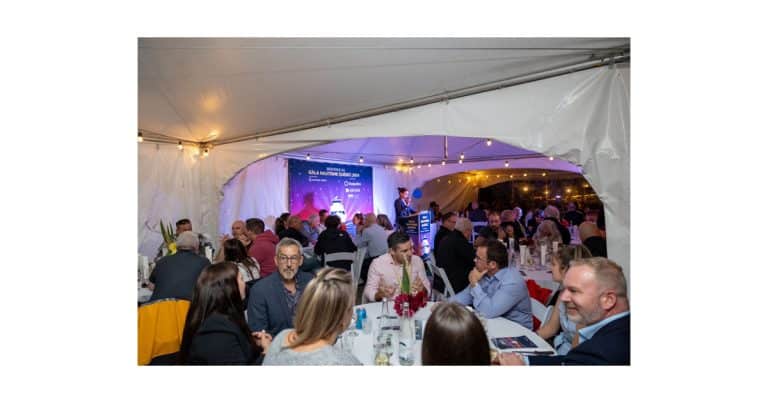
(254, 102)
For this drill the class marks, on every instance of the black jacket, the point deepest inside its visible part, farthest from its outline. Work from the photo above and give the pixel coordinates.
(457, 256)
(220, 341)
(297, 235)
(441, 233)
(334, 240)
(175, 275)
(596, 246)
(609, 346)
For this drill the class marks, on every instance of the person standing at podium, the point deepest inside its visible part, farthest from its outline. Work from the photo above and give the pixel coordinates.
(402, 207)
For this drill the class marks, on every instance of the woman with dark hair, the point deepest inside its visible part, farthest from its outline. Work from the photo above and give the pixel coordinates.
(333, 240)
(215, 331)
(281, 224)
(454, 336)
(383, 220)
(235, 252)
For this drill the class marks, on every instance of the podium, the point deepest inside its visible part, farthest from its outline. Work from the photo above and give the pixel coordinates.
(421, 230)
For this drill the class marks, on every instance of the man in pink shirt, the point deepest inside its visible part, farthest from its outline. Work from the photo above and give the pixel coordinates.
(386, 271)
(262, 245)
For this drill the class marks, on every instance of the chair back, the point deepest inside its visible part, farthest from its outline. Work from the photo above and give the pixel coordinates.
(476, 227)
(540, 313)
(161, 326)
(449, 292)
(332, 257)
(357, 266)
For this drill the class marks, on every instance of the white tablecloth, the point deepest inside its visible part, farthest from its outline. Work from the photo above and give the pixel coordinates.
(497, 327)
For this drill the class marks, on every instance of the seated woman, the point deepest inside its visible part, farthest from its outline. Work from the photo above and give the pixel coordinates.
(215, 332)
(235, 252)
(383, 220)
(547, 233)
(324, 312)
(559, 324)
(454, 336)
(334, 240)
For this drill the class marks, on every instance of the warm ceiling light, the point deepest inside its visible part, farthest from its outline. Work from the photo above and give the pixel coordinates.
(429, 165)
(361, 159)
(400, 159)
(461, 157)
(525, 174)
(418, 166)
(141, 138)
(568, 190)
(438, 180)
(551, 158)
(411, 160)
(510, 176)
(180, 146)
(498, 176)
(449, 181)
(309, 157)
(442, 163)
(205, 152)
(546, 192)
(488, 142)
(461, 161)
(525, 189)
(506, 164)
(543, 174)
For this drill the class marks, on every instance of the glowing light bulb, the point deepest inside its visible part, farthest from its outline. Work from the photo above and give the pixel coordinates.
(506, 164)
(461, 161)
(525, 174)
(180, 146)
(411, 160)
(543, 174)
(361, 159)
(551, 158)
(442, 163)
(461, 157)
(429, 165)
(205, 152)
(488, 142)
(141, 138)
(309, 157)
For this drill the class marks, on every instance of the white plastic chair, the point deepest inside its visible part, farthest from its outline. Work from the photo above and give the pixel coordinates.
(357, 266)
(477, 224)
(332, 257)
(449, 292)
(540, 312)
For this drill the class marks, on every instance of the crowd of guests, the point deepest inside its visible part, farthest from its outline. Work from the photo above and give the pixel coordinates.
(261, 303)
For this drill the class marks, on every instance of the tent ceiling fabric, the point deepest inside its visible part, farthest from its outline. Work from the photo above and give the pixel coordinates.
(423, 149)
(221, 89)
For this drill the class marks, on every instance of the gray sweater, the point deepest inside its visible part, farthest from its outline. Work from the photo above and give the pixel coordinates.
(328, 355)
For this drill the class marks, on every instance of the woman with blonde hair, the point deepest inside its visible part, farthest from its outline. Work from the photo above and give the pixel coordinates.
(547, 233)
(559, 324)
(324, 312)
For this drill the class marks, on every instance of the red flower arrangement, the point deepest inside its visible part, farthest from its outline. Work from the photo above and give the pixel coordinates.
(415, 302)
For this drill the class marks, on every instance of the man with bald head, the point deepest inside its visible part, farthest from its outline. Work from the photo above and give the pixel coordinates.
(595, 298)
(238, 232)
(175, 275)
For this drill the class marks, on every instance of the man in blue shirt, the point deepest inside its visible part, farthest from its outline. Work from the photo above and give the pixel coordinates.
(595, 297)
(494, 290)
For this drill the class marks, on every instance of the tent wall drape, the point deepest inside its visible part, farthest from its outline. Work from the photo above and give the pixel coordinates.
(581, 117)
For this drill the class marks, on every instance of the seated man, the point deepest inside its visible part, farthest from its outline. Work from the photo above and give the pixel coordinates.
(494, 290)
(456, 255)
(311, 228)
(386, 273)
(272, 301)
(492, 231)
(293, 229)
(262, 247)
(446, 227)
(334, 240)
(595, 298)
(175, 275)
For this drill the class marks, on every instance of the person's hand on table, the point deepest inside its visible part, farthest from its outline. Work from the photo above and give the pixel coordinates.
(263, 339)
(511, 359)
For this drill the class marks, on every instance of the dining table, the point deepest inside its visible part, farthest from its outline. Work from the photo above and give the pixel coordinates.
(361, 342)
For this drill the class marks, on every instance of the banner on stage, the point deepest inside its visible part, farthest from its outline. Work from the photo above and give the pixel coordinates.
(343, 190)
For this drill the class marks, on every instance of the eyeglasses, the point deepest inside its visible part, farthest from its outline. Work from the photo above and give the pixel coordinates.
(479, 258)
(286, 259)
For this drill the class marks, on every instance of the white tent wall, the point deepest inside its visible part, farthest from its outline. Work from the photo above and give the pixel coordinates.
(581, 117)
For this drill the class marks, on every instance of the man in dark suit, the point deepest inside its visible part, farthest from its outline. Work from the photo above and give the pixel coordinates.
(456, 255)
(273, 300)
(402, 207)
(595, 297)
(175, 275)
(446, 227)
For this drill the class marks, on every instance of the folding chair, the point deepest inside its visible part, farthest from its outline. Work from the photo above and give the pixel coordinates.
(161, 326)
